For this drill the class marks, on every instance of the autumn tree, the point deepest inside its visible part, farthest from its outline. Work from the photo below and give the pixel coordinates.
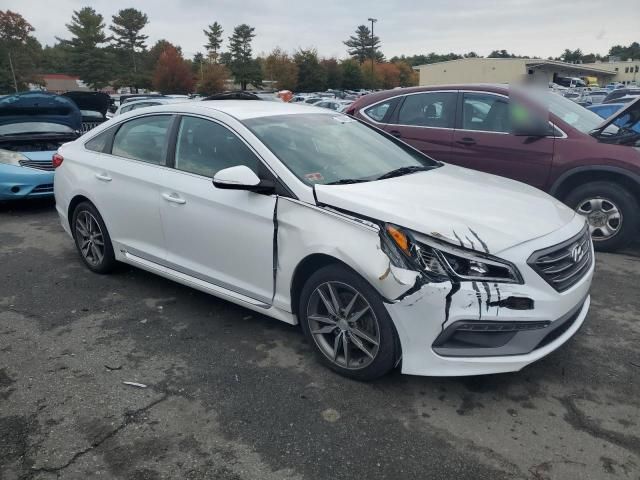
(363, 46)
(214, 78)
(172, 73)
(18, 49)
(214, 41)
(243, 66)
(87, 58)
(281, 68)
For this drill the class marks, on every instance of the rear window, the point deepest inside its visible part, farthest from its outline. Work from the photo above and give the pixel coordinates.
(143, 139)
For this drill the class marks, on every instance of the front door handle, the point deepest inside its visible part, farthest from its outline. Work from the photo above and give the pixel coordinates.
(104, 177)
(396, 133)
(174, 198)
(466, 141)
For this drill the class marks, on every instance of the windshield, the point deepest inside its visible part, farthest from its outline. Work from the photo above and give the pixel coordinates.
(324, 148)
(570, 112)
(34, 127)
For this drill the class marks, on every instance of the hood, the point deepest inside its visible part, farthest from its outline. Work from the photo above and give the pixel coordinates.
(627, 118)
(39, 107)
(94, 101)
(456, 204)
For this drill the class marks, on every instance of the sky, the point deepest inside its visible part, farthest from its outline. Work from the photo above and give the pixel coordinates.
(526, 27)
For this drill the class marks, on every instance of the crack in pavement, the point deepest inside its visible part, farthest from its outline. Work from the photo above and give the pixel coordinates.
(129, 418)
(578, 420)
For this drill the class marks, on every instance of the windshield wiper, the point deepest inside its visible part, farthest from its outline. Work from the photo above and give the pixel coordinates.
(398, 172)
(345, 181)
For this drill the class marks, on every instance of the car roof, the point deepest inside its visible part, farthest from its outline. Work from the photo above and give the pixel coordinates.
(489, 87)
(240, 109)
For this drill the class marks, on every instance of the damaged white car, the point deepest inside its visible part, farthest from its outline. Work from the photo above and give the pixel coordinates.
(384, 256)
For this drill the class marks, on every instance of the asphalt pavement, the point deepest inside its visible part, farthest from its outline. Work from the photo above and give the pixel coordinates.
(228, 394)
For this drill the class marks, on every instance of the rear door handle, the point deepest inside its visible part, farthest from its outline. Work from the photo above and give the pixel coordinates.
(396, 133)
(466, 141)
(104, 177)
(174, 198)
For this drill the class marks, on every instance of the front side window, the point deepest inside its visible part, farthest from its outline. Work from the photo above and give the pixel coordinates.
(204, 147)
(143, 139)
(429, 109)
(485, 112)
(325, 148)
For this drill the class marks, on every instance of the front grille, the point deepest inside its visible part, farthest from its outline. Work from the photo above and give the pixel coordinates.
(39, 164)
(86, 126)
(45, 188)
(563, 265)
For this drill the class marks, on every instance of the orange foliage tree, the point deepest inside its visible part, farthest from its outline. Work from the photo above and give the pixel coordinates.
(172, 73)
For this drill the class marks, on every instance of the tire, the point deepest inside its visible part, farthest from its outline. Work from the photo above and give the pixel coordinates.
(87, 226)
(612, 197)
(366, 323)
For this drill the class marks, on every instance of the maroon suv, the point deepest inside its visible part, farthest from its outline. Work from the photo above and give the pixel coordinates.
(594, 167)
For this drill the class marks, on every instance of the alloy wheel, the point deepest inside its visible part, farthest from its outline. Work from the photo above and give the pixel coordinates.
(90, 238)
(343, 325)
(604, 217)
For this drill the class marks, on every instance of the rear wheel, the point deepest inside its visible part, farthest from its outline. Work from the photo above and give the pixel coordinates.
(344, 319)
(612, 213)
(92, 239)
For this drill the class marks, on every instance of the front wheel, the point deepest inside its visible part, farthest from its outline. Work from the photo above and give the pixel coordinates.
(612, 213)
(345, 320)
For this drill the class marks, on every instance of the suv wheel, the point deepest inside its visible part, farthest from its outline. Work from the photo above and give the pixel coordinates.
(92, 239)
(612, 213)
(345, 321)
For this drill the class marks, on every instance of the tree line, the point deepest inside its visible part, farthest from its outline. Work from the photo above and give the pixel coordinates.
(118, 55)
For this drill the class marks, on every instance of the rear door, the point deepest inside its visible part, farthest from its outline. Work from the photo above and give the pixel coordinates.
(482, 141)
(425, 121)
(126, 182)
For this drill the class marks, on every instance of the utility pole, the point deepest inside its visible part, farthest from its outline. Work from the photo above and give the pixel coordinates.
(372, 20)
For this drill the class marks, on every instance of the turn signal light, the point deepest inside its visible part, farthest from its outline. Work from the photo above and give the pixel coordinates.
(399, 237)
(57, 160)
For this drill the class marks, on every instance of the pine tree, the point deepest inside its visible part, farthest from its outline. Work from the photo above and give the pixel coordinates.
(87, 58)
(362, 45)
(214, 37)
(244, 67)
(127, 25)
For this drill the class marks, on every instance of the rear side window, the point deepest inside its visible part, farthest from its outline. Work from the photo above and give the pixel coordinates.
(485, 112)
(143, 139)
(203, 147)
(429, 109)
(100, 142)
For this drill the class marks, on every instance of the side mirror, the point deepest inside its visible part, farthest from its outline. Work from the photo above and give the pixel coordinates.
(241, 177)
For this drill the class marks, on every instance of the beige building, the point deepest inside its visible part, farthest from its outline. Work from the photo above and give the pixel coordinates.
(509, 70)
(625, 71)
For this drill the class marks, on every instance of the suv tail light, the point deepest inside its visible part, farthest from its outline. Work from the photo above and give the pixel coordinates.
(57, 160)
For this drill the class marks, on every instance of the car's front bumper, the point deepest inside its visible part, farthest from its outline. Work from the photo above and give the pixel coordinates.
(427, 320)
(23, 182)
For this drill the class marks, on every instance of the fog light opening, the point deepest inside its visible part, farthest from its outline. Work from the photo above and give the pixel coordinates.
(15, 189)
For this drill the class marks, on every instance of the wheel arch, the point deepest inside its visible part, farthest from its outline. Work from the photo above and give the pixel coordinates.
(581, 175)
(75, 201)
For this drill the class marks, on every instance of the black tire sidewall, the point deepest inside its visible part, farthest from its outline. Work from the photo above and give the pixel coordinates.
(108, 261)
(388, 351)
(624, 200)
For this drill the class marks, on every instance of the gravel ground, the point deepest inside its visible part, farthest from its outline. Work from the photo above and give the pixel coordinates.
(234, 395)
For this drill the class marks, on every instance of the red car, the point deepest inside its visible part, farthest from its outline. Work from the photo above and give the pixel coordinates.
(594, 167)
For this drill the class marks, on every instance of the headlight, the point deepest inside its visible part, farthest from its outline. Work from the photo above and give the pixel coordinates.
(11, 158)
(442, 261)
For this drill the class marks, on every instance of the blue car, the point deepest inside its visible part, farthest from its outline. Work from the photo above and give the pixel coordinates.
(32, 127)
(605, 110)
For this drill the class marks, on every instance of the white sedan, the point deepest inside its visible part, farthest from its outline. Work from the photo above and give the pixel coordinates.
(384, 256)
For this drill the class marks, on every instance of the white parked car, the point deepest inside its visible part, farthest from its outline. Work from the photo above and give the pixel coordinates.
(384, 256)
(147, 102)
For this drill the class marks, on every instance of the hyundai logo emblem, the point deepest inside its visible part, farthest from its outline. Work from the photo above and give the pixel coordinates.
(577, 253)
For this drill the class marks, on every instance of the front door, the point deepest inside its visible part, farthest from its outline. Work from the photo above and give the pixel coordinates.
(482, 141)
(224, 237)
